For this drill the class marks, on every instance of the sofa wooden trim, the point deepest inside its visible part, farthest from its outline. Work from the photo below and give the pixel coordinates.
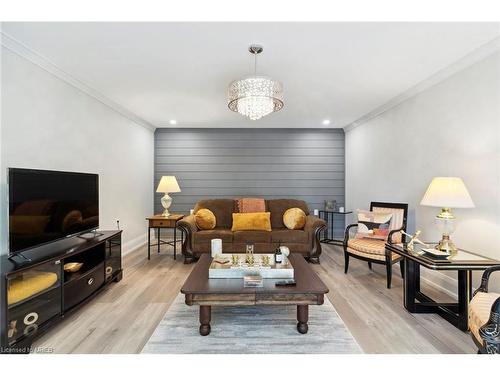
(314, 226)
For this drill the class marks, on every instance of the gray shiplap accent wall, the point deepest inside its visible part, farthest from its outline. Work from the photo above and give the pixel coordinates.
(304, 164)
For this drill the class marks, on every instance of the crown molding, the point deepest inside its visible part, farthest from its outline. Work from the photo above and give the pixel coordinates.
(471, 58)
(24, 51)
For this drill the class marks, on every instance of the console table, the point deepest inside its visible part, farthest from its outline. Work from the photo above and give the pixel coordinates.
(464, 262)
(158, 222)
(328, 235)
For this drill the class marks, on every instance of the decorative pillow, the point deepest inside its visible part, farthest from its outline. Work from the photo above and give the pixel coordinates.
(247, 205)
(294, 218)
(373, 225)
(205, 219)
(252, 221)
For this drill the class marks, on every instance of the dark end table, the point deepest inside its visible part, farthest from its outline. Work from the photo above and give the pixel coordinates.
(464, 262)
(158, 222)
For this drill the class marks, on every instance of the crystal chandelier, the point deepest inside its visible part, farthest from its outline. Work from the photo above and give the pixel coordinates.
(255, 96)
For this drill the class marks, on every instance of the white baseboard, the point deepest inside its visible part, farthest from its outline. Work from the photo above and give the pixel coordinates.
(134, 244)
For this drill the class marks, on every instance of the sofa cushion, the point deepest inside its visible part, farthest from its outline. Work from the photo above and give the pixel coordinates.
(479, 311)
(294, 218)
(222, 209)
(208, 235)
(246, 205)
(251, 221)
(289, 235)
(277, 207)
(251, 236)
(205, 219)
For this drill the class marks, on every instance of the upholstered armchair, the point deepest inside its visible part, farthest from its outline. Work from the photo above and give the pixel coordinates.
(484, 316)
(372, 250)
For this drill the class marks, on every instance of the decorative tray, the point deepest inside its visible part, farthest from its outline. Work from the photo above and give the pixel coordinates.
(222, 267)
(435, 253)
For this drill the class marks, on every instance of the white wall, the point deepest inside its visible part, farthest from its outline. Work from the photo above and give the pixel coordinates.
(451, 129)
(49, 124)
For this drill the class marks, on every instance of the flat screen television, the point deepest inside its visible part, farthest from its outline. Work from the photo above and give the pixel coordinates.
(46, 206)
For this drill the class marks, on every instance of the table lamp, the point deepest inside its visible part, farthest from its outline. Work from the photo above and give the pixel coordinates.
(447, 193)
(168, 184)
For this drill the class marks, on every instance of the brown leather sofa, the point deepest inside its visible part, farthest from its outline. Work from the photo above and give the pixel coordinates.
(304, 241)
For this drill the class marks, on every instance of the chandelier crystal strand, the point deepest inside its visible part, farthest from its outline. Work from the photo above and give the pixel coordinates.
(255, 96)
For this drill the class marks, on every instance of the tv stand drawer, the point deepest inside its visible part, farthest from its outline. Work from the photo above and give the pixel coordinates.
(76, 291)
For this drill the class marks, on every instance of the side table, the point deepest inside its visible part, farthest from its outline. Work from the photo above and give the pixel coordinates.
(464, 262)
(328, 234)
(158, 222)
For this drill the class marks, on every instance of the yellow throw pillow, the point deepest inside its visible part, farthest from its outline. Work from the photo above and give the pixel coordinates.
(294, 218)
(205, 219)
(252, 221)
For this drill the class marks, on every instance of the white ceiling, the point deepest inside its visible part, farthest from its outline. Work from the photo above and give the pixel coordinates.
(336, 71)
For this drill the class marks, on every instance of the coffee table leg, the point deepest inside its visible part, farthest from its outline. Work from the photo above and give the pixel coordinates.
(205, 315)
(302, 317)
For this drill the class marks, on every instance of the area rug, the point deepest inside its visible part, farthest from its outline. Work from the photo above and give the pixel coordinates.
(252, 330)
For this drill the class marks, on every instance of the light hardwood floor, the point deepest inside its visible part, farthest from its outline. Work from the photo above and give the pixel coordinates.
(122, 318)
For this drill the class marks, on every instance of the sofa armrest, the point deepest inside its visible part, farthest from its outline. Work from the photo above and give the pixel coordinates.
(312, 223)
(188, 226)
(314, 226)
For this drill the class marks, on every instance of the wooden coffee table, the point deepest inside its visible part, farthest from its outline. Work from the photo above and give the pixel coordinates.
(205, 292)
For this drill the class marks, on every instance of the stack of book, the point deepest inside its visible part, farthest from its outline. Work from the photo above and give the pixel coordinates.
(253, 281)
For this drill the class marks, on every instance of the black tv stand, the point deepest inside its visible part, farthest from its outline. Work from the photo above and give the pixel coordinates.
(19, 259)
(53, 293)
(90, 235)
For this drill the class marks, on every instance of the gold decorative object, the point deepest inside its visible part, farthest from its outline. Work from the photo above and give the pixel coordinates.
(73, 266)
(413, 239)
(250, 259)
(235, 259)
(265, 260)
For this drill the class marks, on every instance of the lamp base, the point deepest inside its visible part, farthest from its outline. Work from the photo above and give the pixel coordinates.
(166, 201)
(446, 245)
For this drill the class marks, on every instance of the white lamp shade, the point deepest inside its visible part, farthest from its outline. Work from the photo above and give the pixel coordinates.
(447, 192)
(168, 184)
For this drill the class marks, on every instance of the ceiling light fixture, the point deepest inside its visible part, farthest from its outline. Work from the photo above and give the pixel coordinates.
(326, 122)
(255, 96)
(173, 122)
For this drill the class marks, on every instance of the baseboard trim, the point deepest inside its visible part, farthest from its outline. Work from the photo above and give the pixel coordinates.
(134, 244)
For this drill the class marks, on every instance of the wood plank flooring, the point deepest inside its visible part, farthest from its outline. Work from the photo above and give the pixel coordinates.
(123, 317)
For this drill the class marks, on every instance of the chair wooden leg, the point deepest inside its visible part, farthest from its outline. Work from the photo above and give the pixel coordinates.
(370, 265)
(346, 261)
(402, 268)
(388, 266)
